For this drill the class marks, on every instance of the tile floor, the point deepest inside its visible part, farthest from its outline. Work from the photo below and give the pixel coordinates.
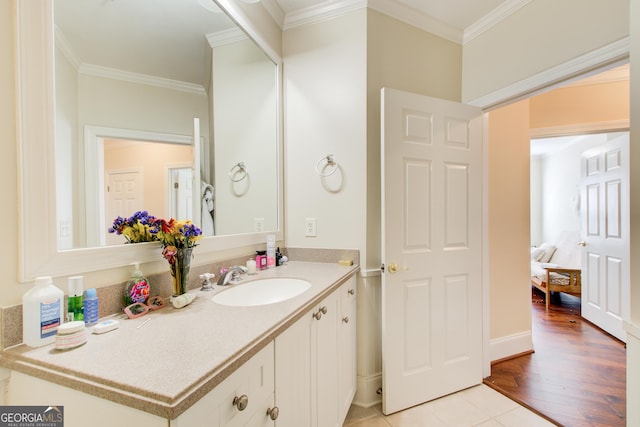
(479, 406)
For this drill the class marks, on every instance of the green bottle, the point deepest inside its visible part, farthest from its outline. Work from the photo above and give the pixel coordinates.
(75, 301)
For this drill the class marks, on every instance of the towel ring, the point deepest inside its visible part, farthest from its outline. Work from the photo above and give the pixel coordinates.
(325, 161)
(241, 169)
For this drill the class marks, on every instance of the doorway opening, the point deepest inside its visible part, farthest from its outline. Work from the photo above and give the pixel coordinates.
(574, 127)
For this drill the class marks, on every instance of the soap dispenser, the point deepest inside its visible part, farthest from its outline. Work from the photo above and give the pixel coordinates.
(137, 289)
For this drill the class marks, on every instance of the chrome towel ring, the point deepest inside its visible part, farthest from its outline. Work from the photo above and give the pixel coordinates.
(327, 162)
(238, 172)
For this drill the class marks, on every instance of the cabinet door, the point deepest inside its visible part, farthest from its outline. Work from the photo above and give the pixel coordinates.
(347, 347)
(324, 363)
(253, 381)
(316, 364)
(293, 374)
(261, 417)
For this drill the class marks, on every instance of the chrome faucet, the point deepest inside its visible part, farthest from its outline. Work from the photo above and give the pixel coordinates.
(231, 275)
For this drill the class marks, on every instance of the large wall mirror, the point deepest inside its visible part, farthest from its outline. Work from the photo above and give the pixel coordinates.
(159, 105)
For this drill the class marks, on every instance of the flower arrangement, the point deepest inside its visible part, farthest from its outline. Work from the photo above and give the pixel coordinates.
(173, 234)
(177, 237)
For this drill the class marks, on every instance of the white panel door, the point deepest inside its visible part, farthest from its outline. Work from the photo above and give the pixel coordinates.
(605, 227)
(181, 193)
(431, 289)
(124, 197)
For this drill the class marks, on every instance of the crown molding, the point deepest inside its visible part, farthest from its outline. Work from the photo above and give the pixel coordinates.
(491, 19)
(225, 37)
(393, 9)
(398, 11)
(127, 76)
(321, 12)
(274, 10)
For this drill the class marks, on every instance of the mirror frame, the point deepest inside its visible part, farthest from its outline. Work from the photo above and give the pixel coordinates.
(35, 133)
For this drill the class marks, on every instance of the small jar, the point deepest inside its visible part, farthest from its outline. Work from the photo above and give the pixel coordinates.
(261, 260)
(251, 266)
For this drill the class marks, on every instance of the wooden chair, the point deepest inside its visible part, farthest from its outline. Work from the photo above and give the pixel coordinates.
(565, 280)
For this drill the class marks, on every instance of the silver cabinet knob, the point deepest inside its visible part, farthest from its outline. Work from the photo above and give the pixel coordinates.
(351, 291)
(273, 413)
(323, 309)
(241, 402)
(345, 319)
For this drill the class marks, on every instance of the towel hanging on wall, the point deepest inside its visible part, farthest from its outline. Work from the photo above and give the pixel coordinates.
(208, 208)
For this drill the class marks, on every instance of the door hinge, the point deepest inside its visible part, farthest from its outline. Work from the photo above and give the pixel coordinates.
(176, 185)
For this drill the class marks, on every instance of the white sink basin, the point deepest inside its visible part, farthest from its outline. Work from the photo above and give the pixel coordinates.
(261, 292)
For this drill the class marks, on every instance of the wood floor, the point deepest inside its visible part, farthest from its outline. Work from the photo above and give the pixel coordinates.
(577, 375)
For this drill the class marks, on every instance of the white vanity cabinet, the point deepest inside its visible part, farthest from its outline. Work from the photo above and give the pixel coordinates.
(315, 363)
(240, 400)
(305, 377)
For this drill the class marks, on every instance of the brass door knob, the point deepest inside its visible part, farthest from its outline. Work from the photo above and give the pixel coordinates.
(393, 268)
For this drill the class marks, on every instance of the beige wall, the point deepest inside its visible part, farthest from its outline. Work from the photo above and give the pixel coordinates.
(574, 105)
(509, 265)
(8, 163)
(540, 36)
(325, 113)
(401, 57)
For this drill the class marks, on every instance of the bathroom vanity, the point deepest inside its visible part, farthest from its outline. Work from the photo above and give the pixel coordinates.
(290, 363)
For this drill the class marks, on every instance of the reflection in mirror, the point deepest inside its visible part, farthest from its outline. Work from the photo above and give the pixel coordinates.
(130, 78)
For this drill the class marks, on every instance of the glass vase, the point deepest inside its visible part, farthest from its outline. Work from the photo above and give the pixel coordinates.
(180, 271)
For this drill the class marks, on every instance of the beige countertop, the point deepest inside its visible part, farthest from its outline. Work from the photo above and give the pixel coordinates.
(165, 364)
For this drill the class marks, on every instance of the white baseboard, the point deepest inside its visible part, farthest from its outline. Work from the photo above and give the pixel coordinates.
(510, 345)
(367, 392)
